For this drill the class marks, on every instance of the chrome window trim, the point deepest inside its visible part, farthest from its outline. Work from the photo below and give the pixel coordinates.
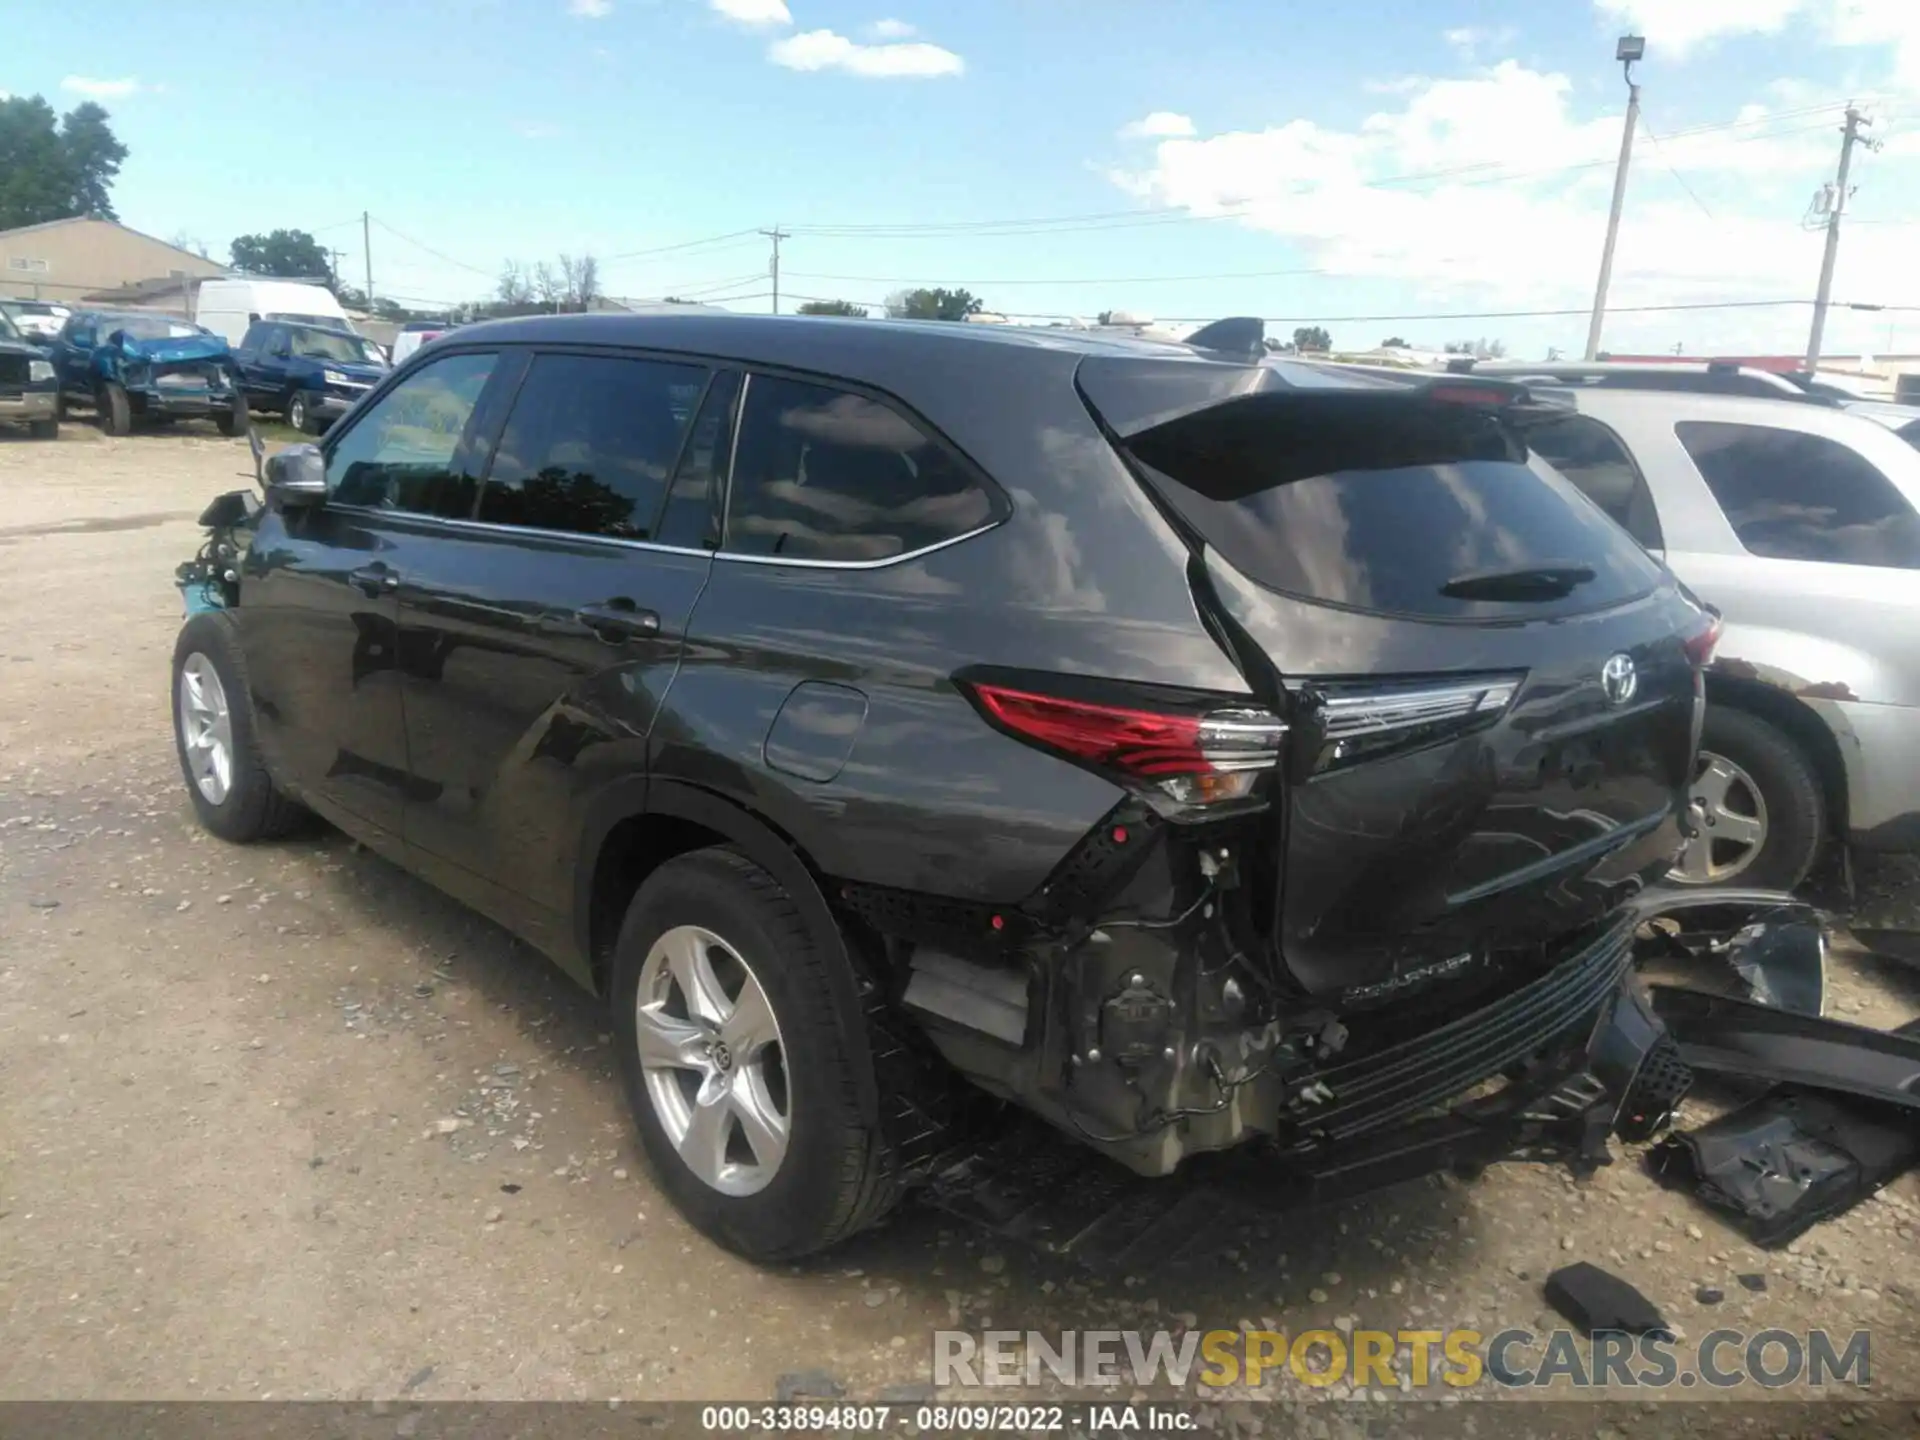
(491, 528)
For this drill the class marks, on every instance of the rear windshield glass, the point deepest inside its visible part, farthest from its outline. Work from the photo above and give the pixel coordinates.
(1389, 504)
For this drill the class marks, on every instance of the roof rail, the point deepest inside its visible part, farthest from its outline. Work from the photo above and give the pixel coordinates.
(1714, 377)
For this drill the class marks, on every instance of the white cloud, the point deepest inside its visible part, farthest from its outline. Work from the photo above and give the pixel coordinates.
(753, 12)
(590, 9)
(890, 30)
(1492, 191)
(100, 89)
(826, 50)
(1674, 27)
(1160, 125)
(1469, 40)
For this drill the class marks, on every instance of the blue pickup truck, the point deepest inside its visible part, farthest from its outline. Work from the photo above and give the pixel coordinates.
(311, 374)
(132, 365)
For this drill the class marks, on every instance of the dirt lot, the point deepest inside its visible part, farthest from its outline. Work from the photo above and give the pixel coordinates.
(281, 1121)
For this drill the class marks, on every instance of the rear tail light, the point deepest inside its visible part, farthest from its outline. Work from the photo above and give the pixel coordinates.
(1701, 644)
(1195, 757)
(1361, 722)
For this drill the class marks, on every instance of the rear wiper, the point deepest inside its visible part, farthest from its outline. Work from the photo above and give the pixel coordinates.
(1532, 582)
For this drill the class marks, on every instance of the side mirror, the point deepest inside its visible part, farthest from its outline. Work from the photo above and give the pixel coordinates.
(297, 477)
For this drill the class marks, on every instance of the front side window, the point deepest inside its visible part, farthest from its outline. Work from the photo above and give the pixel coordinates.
(824, 474)
(589, 445)
(1794, 496)
(399, 455)
(1592, 457)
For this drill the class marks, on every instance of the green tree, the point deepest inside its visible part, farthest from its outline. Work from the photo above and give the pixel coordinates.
(1393, 342)
(293, 254)
(935, 304)
(1312, 337)
(834, 307)
(54, 168)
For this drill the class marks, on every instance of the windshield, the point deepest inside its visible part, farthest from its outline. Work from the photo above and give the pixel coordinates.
(334, 345)
(324, 322)
(148, 327)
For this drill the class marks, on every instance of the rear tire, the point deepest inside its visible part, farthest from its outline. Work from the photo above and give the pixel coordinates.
(833, 1170)
(1760, 776)
(44, 429)
(213, 734)
(115, 409)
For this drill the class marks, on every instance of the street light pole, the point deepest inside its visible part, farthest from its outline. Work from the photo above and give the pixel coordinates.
(1630, 49)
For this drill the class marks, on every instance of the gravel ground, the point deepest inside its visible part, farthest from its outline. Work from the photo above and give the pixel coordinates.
(282, 1121)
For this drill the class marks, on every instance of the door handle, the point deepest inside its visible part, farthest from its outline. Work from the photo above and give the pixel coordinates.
(617, 620)
(374, 580)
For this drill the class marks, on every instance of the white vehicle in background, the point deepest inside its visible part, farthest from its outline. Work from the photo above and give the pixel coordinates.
(416, 333)
(36, 319)
(230, 307)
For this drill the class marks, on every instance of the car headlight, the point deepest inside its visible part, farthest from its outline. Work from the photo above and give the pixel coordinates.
(334, 377)
(38, 371)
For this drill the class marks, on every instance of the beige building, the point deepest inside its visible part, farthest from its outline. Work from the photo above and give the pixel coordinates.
(67, 260)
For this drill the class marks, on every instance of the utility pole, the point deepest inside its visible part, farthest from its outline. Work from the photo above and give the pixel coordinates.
(366, 243)
(1630, 49)
(776, 234)
(1849, 133)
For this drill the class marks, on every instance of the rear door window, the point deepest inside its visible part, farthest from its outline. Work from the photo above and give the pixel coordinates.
(692, 514)
(821, 473)
(1387, 503)
(1793, 496)
(1592, 457)
(589, 445)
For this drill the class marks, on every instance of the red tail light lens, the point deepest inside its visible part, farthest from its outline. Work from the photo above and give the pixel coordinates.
(1700, 645)
(1196, 757)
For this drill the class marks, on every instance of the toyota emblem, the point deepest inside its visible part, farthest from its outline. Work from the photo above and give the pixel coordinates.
(1619, 679)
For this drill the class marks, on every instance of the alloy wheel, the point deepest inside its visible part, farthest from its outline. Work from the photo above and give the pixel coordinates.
(713, 1061)
(1730, 823)
(206, 728)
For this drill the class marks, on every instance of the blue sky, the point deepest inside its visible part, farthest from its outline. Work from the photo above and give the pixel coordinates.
(1318, 161)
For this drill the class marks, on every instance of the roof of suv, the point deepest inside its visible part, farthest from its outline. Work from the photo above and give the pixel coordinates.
(825, 342)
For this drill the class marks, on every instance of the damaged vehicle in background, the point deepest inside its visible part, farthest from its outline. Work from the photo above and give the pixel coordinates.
(134, 366)
(1210, 755)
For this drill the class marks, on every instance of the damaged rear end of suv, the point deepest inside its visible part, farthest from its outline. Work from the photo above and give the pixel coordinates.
(1371, 916)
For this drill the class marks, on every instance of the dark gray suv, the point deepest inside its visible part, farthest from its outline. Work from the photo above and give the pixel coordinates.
(1200, 751)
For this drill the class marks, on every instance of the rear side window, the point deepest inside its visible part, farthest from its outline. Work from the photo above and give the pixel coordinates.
(692, 516)
(1592, 457)
(589, 445)
(1794, 496)
(1385, 503)
(824, 474)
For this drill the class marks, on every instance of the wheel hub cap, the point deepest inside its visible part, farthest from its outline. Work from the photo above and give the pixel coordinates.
(206, 728)
(1729, 821)
(713, 1061)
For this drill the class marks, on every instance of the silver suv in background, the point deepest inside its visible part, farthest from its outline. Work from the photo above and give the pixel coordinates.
(1800, 523)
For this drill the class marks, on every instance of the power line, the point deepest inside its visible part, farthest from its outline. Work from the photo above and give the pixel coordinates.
(683, 245)
(1070, 280)
(419, 245)
(1661, 151)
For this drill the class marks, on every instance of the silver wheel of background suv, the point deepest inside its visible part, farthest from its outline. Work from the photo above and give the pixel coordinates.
(206, 728)
(713, 1061)
(1730, 815)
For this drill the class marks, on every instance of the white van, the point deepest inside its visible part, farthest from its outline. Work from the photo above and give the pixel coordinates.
(228, 307)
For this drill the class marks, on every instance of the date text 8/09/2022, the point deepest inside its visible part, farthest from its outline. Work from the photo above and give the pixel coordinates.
(949, 1419)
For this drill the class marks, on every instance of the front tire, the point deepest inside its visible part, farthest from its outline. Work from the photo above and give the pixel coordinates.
(114, 408)
(746, 1066)
(1757, 804)
(213, 734)
(300, 413)
(233, 421)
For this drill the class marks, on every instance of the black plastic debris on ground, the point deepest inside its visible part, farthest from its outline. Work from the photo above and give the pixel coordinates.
(1595, 1300)
(1790, 1159)
(1900, 946)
